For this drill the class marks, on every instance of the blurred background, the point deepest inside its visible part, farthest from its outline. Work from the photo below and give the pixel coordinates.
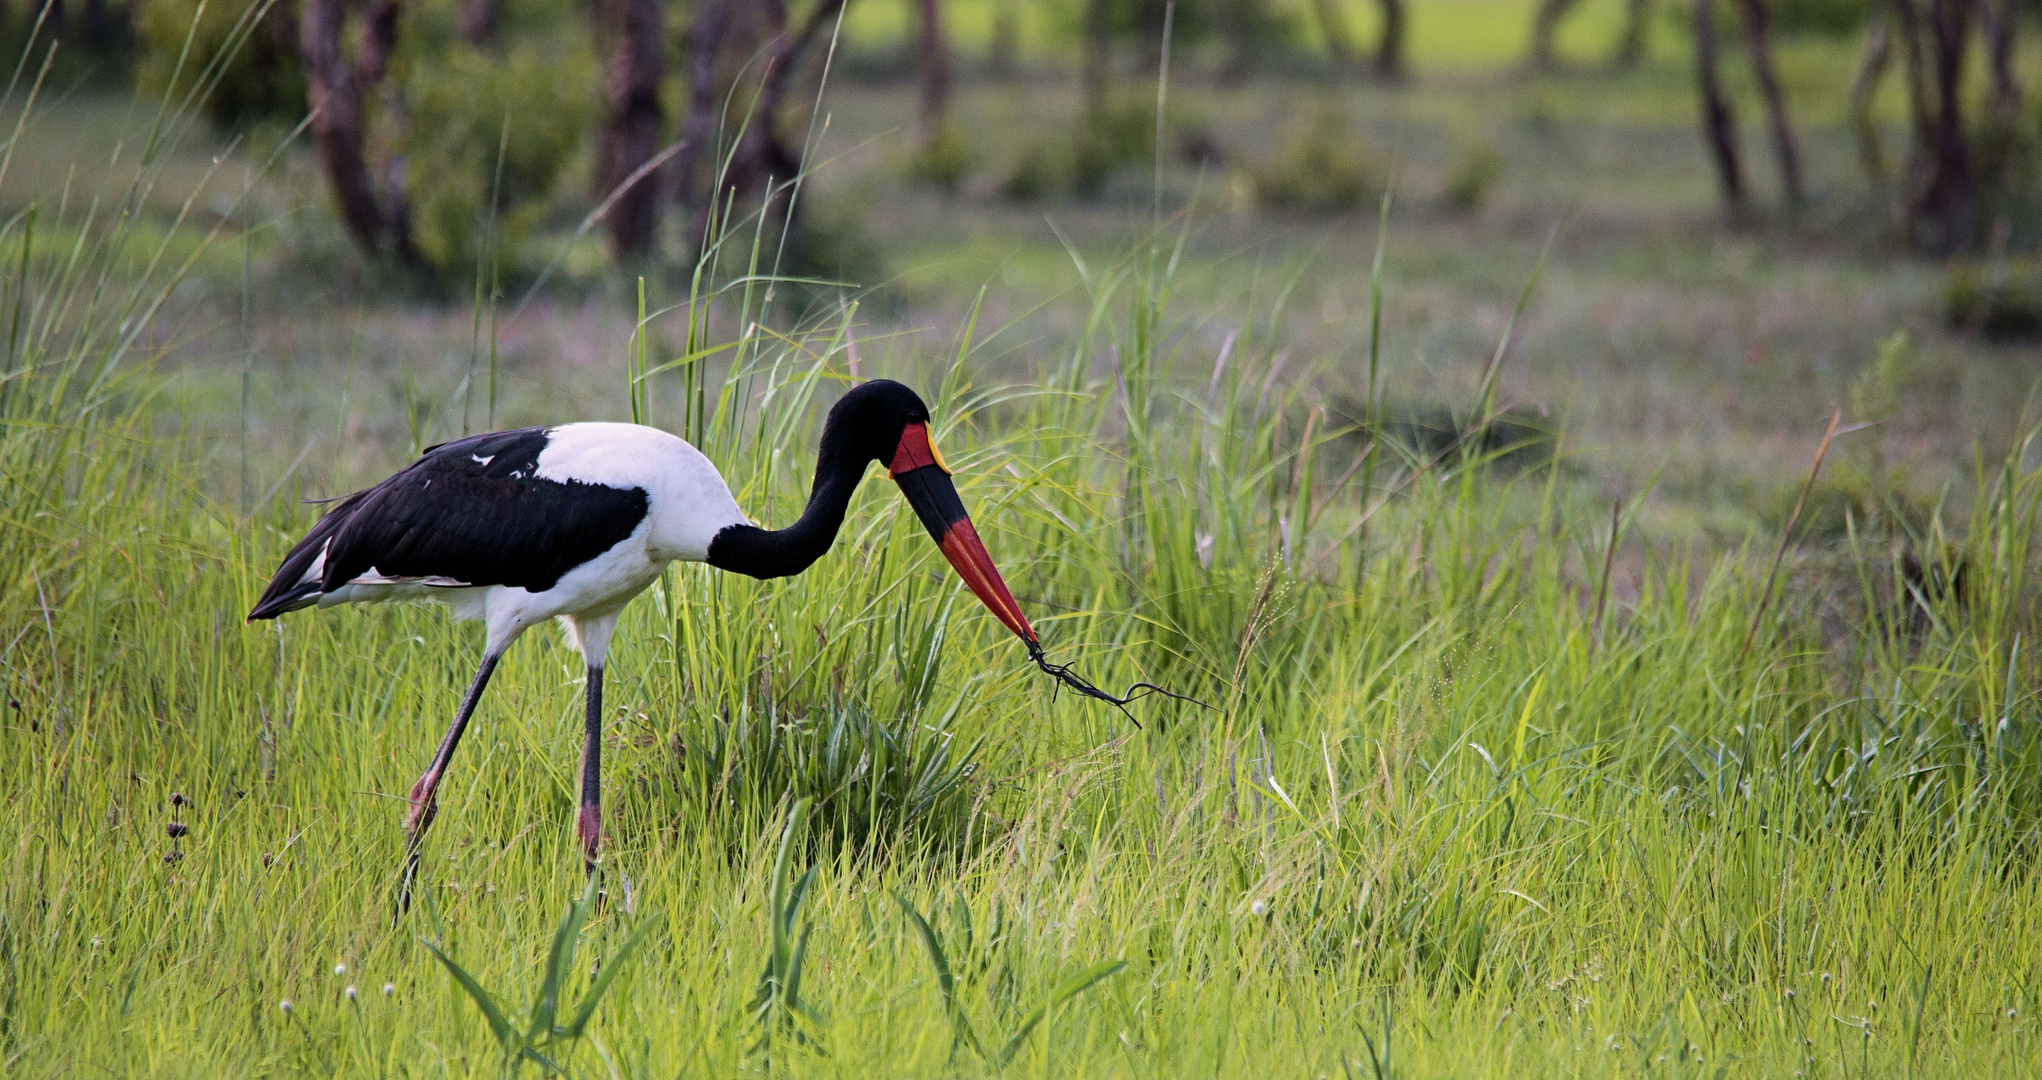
(1646, 715)
(410, 218)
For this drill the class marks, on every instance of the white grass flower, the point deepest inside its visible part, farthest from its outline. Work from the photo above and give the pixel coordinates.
(340, 969)
(285, 1006)
(389, 988)
(1259, 908)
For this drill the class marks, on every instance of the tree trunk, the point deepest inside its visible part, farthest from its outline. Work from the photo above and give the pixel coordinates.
(698, 132)
(335, 90)
(480, 20)
(1545, 27)
(1758, 42)
(1940, 202)
(1005, 43)
(1333, 27)
(379, 44)
(1390, 47)
(632, 121)
(102, 31)
(1098, 58)
(284, 26)
(935, 72)
(2001, 18)
(1873, 62)
(1719, 122)
(759, 155)
(1630, 52)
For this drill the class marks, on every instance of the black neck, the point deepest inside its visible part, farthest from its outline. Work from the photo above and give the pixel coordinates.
(769, 553)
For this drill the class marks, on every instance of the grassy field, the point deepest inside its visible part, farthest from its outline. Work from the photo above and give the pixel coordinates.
(1494, 783)
(1445, 35)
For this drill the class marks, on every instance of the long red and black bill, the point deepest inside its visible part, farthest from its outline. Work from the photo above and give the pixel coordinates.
(925, 480)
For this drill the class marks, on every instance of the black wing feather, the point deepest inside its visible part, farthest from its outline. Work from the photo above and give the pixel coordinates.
(288, 590)
(471, 511)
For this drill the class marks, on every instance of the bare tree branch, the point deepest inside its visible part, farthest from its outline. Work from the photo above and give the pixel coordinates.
(634, 116)
(1758, 42)
(1719, 121)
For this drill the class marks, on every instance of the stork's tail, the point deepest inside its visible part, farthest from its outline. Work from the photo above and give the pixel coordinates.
(279, 600)
(300, 581)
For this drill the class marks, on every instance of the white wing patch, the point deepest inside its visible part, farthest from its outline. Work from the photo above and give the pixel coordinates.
(435, 581)
(317, 571)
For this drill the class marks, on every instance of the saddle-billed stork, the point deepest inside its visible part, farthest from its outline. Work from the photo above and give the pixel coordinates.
(571, 522)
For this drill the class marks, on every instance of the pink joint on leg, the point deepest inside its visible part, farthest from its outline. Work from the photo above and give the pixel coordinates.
(590, 826)
(424, 804)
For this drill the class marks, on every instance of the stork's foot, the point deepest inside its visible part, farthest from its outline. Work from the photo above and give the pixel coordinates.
(417, 819)
(402, 902)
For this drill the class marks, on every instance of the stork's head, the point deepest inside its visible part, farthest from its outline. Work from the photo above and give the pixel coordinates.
(886, 422)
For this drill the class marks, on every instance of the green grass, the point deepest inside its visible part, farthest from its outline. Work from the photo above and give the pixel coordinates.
(1451, 814)
(1438, 823)
(1444, 34)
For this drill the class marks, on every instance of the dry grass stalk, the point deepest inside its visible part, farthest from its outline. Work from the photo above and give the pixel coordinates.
(1787, 535)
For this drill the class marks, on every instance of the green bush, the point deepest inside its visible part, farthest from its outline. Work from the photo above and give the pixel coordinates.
(1195, 139)
(831, 245)
(1823, 17)
(945, 161)
(1251, 26)
(1041, 170)
(1121, 134)
(262, 80)
(2001, 298)
(1473, 175)
(464, 104)
(2006, 160)
(1320, 169)
(1849, 497)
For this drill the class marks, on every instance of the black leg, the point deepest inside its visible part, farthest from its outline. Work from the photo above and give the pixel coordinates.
(425, 793)
(590, 823)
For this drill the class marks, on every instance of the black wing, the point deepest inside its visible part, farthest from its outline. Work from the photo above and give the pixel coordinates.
(472, 512)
